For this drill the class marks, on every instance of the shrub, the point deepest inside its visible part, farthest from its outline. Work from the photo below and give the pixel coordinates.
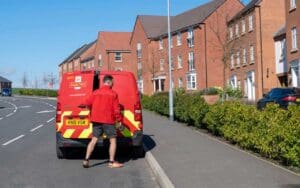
(35, 92)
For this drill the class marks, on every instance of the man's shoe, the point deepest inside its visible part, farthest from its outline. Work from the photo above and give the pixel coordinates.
(85, 163)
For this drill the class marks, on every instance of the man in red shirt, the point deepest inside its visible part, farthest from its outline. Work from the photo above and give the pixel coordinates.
(105, 113)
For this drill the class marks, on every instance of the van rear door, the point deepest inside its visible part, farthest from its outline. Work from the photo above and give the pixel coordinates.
(75, 88)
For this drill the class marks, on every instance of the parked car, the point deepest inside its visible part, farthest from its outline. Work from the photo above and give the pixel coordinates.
(6, 92)
(282, 96)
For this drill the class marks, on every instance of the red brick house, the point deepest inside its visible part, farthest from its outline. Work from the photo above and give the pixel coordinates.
(197, 39)
(292, 10)
(113, 51)
(79, 59)
(251, 36)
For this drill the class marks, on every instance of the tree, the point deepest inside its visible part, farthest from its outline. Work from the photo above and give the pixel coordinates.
(24, 80)
(223, 42)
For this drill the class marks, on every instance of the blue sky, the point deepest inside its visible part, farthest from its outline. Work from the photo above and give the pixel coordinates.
(36, 35)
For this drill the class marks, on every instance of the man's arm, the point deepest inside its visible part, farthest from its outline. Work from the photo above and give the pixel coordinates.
(88, 102)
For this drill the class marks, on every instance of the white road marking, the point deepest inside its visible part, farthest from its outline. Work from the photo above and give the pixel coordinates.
(1, 118)
(45, 111)
(50, 120)
(24, 106)
(32, 130)
(9, 114)
(13, 140)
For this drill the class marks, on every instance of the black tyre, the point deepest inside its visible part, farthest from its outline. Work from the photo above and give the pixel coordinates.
(138, 152)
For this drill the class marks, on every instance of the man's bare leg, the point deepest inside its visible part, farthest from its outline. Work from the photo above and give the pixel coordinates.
(89, 151)
(112, 154)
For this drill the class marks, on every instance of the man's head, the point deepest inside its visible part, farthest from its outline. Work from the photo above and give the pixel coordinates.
(108, 80)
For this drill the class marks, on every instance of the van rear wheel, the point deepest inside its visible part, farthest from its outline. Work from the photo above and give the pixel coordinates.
(138, 152)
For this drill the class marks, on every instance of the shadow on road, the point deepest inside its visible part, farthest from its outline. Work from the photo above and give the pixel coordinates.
(124, 154)
(291, 186)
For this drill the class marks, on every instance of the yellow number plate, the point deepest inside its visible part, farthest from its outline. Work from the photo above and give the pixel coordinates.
(77, 122)
(298, 100)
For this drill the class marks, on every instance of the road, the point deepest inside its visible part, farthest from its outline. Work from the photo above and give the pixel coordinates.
(28, 157)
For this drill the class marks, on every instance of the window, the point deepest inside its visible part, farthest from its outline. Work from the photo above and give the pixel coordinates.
(180, 82)
(100, 63)
(191, 82)
(191, 61)
(244, 56)
(245, 88)
(243, 27)
(179, 62)
(171, 42)
(139, 50)
(161, 44)
(233, 81)
(190, 38)
(251, 54)
(294, 39)
(237, 30)
(118, 68)
(93, 64)
(231, 33)
(238, 61)
(172, 63)
(118, 57)
(295, 68)
(292, 4)
(139, 65)
(178, 38)
(250, 23)
(84, 66)
(232, 61)
(161, 64)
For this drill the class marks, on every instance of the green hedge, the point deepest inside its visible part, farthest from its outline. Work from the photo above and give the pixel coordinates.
(274, 133)
(35, 92)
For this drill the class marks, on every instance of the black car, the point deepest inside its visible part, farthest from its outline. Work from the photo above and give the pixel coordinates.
(282, 96)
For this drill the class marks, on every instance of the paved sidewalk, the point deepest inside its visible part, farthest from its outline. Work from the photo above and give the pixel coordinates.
(195, 160)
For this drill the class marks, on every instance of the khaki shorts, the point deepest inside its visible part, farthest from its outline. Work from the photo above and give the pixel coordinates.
(100, 128)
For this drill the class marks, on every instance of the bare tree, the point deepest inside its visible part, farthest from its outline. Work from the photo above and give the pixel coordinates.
(224, 43)
(52, 80)
(25, 80)
(36, 83)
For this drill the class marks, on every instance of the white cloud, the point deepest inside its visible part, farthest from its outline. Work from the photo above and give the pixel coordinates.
(7, 71)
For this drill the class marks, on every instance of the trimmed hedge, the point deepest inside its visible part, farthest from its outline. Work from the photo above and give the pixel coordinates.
(274, 133)
(35, 92)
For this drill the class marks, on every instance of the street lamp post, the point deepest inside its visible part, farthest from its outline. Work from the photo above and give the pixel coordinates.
(171, 111)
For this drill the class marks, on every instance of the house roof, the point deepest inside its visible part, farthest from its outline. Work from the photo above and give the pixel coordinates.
(156, 26)
(280, 32)
(2, 79)
(118, 41)
(78, 52)
(252, 4)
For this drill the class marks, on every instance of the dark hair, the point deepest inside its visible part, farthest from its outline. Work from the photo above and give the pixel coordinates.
(107, 78)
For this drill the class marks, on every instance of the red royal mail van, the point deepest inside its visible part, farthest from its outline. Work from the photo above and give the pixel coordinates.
(73, 126)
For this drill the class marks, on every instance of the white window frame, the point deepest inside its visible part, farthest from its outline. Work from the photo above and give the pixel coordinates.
(180, 82)
(161, 44)
(231, 32)
(232, 61)
(243, 27)
(233, 81)
(251, 53)
(161, 64)
(191, 61)
(293, 4)
(244, 56)
(190, 38)
(179, 62)
(100, 62)
(295, 68)
(118, 58)
(237, 30)
(238, 59)
(191, 81)
(179, 38)
(250, 23)
(294, 39)
(139, 50)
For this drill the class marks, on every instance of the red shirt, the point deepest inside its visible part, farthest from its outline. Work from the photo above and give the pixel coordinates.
(104, 104)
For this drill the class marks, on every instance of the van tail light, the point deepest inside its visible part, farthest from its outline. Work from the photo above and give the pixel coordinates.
(138, 112)
(58, 112)
(290, 99)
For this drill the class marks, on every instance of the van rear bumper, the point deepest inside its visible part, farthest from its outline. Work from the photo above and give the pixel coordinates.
(62, 142)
